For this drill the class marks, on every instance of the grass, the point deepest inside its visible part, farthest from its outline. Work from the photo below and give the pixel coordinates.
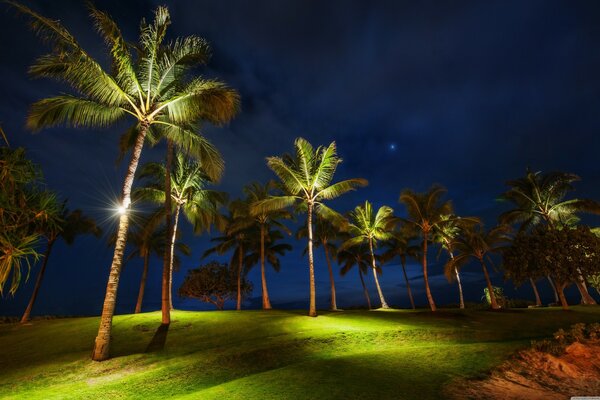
(269, 355)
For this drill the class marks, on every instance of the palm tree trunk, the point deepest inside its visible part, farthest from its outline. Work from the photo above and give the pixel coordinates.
(425, 276)
(27, 314)
(312, 309)
(140, 299)
(266, 302)
(563, 299)
(586, 298)
(538, 301)
(333, 299)
(457, 275)
(362, 281)
(102, 342)
(556, 297)
(408, 289)
(374, 267)
(493, 301)
(166, 290)
(172, 254)
(239, 277)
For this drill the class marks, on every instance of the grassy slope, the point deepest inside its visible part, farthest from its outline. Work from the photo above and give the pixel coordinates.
(270, 355)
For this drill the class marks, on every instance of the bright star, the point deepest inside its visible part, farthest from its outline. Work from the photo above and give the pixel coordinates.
(392, 146)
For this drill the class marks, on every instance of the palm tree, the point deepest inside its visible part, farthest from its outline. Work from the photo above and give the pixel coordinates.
(306, 180)
(188, 194)
(425, 212)
(60, 224)
(540, 198)
(264, 219)
(399, 245)
(155, 88)
(359, 256)
(325, 233)
(367, 228)
(475, 242)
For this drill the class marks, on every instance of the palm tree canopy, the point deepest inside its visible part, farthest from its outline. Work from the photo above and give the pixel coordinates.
(273, 250)
(366, 226)
(425, 210)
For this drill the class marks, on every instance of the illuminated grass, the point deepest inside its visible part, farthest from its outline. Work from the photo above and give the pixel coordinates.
(277, 354)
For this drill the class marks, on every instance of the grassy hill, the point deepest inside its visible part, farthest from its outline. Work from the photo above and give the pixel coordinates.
(269, 355)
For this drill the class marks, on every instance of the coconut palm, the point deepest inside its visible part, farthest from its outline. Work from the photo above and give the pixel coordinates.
(359, 256)
(267, 249)
(425, 212)
(156, 88)
(475, 242)
(188, 194)
(366, 227)
(61, 223)
(306, 181)
(539, 198)
(325, 233)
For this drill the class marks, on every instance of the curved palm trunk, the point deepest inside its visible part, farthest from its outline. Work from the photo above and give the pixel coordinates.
(538, 301)
(312, 308)
(563, 299)
(408, 289)
(166, 288)
(493, 301)
(172, 253)
(102, 342)
(333, 299)
(140, 299)
(374, 267)
(266, 302)
(457, 276)
(586, 298)
(425, 276)
(27, 314)
(554, 289)
(362, 281)
(239, 277)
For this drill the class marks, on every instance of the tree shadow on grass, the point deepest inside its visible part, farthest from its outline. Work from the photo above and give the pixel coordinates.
(159, 339)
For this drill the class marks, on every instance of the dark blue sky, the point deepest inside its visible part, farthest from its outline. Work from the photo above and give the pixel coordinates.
(470, 93)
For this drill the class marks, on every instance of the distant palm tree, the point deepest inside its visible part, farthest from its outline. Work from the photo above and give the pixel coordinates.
(366, 227)
(306, 180)
(359, 256)
(188, 194)
(475, 242)
(156, 89)
(325, 233)
(60, 224)
(425, 212)
(540, 198)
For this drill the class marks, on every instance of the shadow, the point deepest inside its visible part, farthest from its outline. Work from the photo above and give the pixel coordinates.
(159, 339)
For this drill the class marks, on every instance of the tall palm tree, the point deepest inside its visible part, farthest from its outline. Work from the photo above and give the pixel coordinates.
(156, 88)
(60, 224)
(399, 245)
(359, 256)
(475, 242)
(425, 212)
(325, 233)
(306, 180)
(188, 194)
(539, 198)
(366, 227)
(267, 249)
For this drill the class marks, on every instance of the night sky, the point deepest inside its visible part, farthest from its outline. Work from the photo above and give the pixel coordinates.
(466, 94)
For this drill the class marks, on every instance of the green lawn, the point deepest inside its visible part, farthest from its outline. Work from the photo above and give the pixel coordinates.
(269, 355)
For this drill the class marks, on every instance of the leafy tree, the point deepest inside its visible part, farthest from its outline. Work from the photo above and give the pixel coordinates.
(157, 88)
(200, 206)
(594, 281)
(306, 180)
(426, 212)
(359, 256)
(475, 242)
(60, 223)
(539, 198)
(212, 283)
(366, 227)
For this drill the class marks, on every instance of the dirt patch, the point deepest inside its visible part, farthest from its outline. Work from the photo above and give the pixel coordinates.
(534, 375)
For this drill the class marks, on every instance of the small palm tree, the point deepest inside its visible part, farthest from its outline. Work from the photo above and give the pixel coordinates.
(156, 89)
(306, 180)
(425, 212)
(60, 224)
(475, 242)
(188, 194)
(365, 227)
(359, 256)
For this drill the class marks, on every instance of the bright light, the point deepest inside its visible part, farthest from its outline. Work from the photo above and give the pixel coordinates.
(121, 210)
